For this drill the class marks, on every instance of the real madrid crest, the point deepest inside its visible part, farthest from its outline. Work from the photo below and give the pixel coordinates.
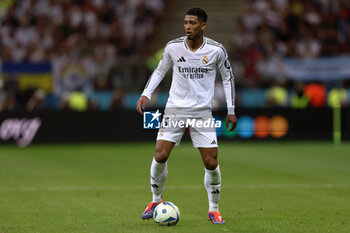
(205, 60)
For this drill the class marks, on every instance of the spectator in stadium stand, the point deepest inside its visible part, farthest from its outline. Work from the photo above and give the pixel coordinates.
(153, 60)
(2, 95)
(277, 94)
(308, 46)
(78, 101)
(11, 101)
(337, 97)
(251, 74)
(36, 101)
(298, 99)
(117, 99)
(316, 92)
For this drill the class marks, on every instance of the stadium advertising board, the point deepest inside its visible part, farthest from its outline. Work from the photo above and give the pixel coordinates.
(22, 131)
(124, 125)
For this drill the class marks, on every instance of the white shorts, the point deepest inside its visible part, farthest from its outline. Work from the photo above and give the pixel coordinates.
(201, 136)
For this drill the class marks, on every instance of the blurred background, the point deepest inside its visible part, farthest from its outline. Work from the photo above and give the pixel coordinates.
(72, 71)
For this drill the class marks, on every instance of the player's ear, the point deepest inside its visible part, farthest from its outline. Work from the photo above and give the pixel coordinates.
(203, 25)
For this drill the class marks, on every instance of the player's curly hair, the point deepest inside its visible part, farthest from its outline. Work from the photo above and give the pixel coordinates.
(200, 13)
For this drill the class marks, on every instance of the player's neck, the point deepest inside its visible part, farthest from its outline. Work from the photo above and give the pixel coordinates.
(196, 43)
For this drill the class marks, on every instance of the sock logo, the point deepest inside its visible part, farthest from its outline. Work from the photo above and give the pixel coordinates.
(154, 186)
(217, 191)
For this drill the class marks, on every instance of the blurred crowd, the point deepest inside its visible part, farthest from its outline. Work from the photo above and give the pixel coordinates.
(293, 28)
(270, 30)
(109, 41)
(38, 30)
(98, 34)
(290, 28)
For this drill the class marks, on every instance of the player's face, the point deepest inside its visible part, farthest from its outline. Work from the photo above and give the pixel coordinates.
(193, 27)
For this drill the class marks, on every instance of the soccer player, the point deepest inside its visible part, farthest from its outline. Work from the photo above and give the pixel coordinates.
(194, 59)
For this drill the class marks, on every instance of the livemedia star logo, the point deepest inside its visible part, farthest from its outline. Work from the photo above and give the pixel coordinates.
(152, 120)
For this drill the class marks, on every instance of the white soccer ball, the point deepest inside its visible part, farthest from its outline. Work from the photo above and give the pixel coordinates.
(166, 214)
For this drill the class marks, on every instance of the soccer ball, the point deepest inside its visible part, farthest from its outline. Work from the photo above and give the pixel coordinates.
(166, 214)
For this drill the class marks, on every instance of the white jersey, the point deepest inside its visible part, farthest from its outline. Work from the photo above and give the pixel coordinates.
(194, 75)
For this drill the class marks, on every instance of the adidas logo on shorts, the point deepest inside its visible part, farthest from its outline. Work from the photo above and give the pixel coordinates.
(213, 142)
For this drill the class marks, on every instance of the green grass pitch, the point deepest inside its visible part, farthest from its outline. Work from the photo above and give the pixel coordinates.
(266, 187)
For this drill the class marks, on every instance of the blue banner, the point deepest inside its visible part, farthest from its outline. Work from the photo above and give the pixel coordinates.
(322, 69)
(26, 67)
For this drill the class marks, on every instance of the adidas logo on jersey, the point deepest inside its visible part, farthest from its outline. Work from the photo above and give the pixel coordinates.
(181, 59)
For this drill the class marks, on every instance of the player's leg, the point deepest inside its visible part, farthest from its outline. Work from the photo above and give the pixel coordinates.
(159, 169)
(206, 141)
(212, 182)
(163, 149)
(158, 175)
(212, 176)
(166, 140)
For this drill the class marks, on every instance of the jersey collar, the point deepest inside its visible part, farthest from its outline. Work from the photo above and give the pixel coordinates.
(202, 46)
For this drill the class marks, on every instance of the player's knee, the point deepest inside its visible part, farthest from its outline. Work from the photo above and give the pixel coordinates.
(161, 155)
(211, 165)
(211, 162)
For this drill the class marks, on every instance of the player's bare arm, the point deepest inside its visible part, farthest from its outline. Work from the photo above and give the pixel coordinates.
(141, 104)
(233, 120)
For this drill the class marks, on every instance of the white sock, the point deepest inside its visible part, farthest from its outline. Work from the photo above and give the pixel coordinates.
(159, 173)
(212, 182)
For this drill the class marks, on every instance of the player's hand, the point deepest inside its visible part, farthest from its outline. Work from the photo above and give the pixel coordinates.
(141, 103)
(233, 120)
